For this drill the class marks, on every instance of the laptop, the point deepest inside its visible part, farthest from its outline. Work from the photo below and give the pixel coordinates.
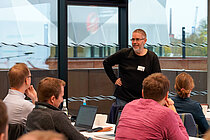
(85, 117)
(111, 136)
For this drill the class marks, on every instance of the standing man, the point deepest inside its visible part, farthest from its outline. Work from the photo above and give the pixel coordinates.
(20, 84)
(3, 121)
(46, 115)
(135, 64)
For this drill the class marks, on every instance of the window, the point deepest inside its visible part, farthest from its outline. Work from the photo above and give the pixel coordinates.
(163, 21)
(92, 31)
(28, 32)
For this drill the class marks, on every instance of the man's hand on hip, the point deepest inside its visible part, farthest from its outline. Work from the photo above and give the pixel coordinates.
(118, 82)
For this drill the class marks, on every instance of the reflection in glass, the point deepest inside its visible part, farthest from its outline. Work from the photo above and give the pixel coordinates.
(27, 29)
(93, 31)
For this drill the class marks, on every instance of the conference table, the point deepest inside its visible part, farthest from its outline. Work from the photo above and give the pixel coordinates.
(194, 138)
(207, 115)
(106, 135)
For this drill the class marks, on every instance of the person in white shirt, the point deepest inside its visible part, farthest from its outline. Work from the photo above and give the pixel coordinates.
(20, 84)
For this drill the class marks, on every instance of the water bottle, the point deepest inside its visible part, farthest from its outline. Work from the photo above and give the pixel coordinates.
(65, 109)
(84, 102)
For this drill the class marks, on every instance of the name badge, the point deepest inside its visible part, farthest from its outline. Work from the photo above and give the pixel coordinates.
(140, 68)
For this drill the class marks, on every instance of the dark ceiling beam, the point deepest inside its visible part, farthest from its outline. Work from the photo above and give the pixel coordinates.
(110, 3)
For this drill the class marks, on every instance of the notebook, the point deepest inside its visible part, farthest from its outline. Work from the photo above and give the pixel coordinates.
(110, 136)
(85, 117)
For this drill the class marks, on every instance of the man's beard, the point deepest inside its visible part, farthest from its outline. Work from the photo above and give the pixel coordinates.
(138, 51)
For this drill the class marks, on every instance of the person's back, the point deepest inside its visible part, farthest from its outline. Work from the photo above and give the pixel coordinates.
(18, 108)
(186, 105)
(51, 118)
(46, 119)
(148, 120)
(153, 117)
(184, 84)
(20, 83)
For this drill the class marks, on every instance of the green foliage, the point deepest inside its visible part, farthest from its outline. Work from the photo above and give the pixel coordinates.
(200, 36)
(196, 39)
(167, 51)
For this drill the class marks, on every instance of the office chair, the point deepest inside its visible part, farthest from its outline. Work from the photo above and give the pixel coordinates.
(15, 131)
(112, 118)
(189, 123)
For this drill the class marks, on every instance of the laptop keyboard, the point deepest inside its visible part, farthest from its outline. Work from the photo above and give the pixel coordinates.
(81, 128)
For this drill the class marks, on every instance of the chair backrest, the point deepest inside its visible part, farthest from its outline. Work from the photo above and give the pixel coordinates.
(112, 118)
(189, 123)
(15, 131)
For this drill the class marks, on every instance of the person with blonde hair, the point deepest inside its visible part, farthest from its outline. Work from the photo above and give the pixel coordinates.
(183, 85)
(20, 86)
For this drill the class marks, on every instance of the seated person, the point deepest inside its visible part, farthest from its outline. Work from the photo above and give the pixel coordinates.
(46, 115)
(3, 121)
(42, 135)
(153, 116)
(184, 84)
(20, 83)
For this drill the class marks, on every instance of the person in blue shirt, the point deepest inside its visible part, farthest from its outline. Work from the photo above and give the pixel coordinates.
(183, 85)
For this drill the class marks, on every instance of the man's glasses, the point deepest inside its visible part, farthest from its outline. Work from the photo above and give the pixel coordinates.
(137, 39)
(29, 76)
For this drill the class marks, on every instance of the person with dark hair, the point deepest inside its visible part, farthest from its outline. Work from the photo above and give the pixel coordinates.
(135, 64)
(43, 135)
(153, 116)
(184, 84)
(20, 84)
(3, 121)
(46, 115)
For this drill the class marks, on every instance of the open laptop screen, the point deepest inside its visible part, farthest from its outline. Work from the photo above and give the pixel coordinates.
(86, 116)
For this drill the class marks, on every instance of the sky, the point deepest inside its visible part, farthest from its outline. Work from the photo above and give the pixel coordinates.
(183, 14)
